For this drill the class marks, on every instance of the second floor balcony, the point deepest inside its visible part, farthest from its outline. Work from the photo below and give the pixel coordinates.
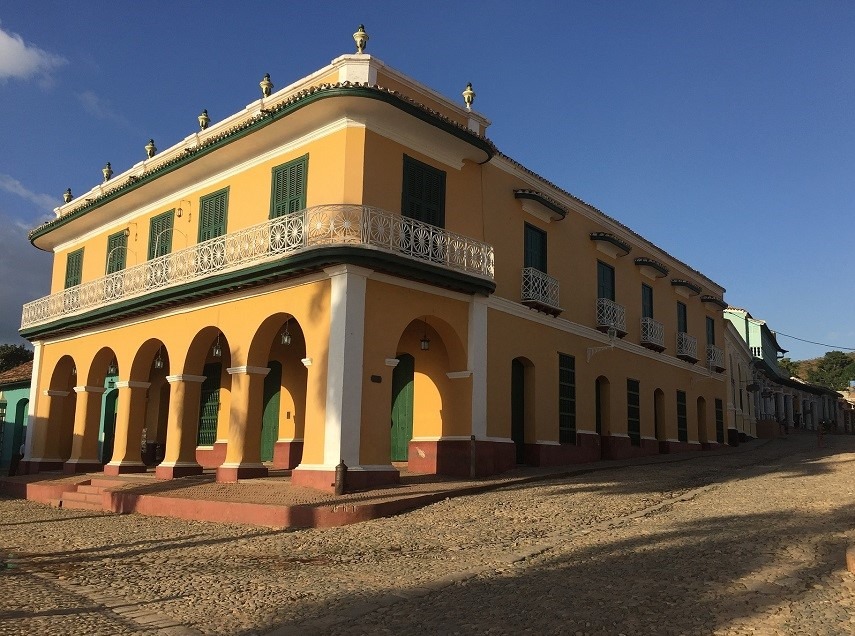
(687, 347)
(652, 334)
(715, 358)
(273, 243)
(611, 315)
(540, 291)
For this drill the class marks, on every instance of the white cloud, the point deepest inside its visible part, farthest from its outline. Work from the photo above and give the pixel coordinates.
(100, 108)
(43, 201)
(20, 60)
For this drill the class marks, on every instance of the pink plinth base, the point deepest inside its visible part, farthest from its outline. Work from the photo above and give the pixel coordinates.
(213, 456)
(622, 448)
(33, 468)
(460, 458)
(123, 469)
(287, 454)
(682, 447)
(586, 449)
(230, 474)
(356, 480)
(171, 472)
(73, 468)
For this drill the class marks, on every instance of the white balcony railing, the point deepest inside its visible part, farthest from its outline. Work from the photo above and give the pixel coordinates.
(652, 334)
(715, 358)
(610, 315)
(687, 346)
(319, 226)
(539, 288)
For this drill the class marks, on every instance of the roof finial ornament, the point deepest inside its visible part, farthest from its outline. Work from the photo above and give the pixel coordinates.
(468, 96)
(107, 171)
(266, 85)
(67, 196)
(361, 39)
(150, 148)
(204, 120)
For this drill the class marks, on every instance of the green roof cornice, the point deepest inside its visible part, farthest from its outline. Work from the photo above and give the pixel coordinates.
(265, 117)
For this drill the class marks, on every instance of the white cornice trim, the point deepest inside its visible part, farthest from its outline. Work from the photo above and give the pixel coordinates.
(458, 375)
(55, 393)
(247, 370)
(132, 384)
(89, 389)
(432, 150)
(185, 377)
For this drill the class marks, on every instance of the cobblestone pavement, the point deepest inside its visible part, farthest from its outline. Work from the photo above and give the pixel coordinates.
(745, 543)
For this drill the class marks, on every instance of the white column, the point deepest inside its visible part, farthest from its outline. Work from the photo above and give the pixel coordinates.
(789, 407)
(478, 364)
(34, 400)
(343, 423)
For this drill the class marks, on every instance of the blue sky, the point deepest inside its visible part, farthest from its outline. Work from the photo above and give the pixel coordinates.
(724, 132)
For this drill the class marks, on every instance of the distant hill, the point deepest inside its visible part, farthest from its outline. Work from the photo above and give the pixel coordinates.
(834, 370)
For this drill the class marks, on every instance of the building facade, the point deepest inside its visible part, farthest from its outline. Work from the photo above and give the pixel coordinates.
(14, 413)
(349, 270)
(741, 387)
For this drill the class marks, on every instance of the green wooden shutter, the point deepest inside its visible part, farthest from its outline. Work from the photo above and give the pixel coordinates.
(74, 268)
(633, 411)
(605, 281)
(402, 407)
(646, 301)
(213, 210)
(160, 234)
(270, 414)
(566, 399)
(288, 189)
(682, 320)
(719, 420)
(423, 192)
(710, 331)
(117, 251)
(682, 418)
(535, 248)
(209, 405)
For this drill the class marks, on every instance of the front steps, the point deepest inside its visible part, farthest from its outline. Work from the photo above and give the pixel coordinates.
(90, 496)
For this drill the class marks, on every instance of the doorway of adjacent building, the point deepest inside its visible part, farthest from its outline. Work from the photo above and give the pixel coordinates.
(270, 416)
(402, 406)
(109, 425)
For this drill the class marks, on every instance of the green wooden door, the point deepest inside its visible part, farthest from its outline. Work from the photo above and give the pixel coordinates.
(518, 408)
(110, 407)
(209, 405)
(270, 417)
(402, 406)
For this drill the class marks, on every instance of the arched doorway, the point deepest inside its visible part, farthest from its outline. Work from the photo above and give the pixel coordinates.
(403, 380)
(270, 414)
(108, 424)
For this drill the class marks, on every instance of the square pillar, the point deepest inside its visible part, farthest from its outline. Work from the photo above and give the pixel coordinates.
(87, 422)
(130, 421)
(243, 452)
(182, 427)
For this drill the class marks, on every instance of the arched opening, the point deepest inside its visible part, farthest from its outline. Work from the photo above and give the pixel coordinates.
(108, 424)
(403, 380)
(54, 445)
(703, 434)
(279, 345)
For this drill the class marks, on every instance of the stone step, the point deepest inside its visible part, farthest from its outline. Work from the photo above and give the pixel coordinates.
(81, 505)
(82, 497)
(106, 482)
(91, 490)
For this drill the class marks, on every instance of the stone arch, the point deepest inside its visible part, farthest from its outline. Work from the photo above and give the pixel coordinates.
(52, 446)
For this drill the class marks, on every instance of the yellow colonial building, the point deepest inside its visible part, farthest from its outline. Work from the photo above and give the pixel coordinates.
(349, 270)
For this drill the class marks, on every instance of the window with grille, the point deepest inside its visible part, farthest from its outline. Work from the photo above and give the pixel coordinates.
(288, 188)
(160, 234)
(535, 248)
(74, 268)
(117, 251)
(605, 281)
(212, 214)
(682, 419)
(566, 399)
(633, 411)
(423, 192)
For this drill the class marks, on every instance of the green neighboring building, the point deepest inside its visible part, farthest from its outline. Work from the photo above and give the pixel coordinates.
(14, 409)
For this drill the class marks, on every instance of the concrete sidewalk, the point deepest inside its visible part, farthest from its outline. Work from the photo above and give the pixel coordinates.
(274, 501)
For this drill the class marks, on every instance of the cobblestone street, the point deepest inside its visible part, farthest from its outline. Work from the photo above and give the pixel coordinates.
(751, 542)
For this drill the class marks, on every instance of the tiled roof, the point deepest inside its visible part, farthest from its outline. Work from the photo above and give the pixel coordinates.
(21, 373)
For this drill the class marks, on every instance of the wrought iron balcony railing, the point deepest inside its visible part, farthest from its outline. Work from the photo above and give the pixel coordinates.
(715, 358)
(610, 315)
(319, 226)
(687, 347)
(652, 334)
(540, 290)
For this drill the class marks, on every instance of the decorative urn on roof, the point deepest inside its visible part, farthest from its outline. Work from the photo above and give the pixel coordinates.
(266, 85)
(107, 171)
(67, 196)
(204, 120)
(150, 148)
(468, 96)
(361, 39)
